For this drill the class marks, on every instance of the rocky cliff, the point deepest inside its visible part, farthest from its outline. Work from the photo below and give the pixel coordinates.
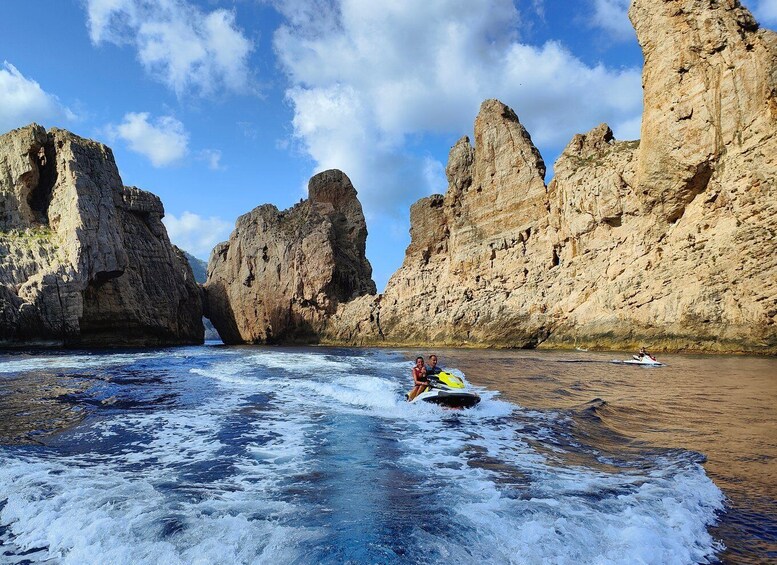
(282, 275)
(668, 242)
(85, 260)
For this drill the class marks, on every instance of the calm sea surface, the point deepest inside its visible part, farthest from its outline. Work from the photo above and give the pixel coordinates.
(221, 454)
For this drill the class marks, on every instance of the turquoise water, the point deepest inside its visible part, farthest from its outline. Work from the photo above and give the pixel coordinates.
(310, 455)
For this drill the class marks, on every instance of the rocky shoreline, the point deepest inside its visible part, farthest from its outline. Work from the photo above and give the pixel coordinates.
(666, 241)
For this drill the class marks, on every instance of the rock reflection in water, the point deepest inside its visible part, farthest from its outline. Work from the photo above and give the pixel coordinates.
(34, 405)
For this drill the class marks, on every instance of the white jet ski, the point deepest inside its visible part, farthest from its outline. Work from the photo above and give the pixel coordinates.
(447, 390)
(645, 360)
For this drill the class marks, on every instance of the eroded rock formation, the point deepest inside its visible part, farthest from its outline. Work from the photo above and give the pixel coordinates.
(282, 275)
(480, 258)
(85, 260)
(669, 241)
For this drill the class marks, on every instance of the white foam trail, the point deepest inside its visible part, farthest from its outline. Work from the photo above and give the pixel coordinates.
(153, 497)
(10, 364)
(565, 514)
(114, 505)
(119, 518)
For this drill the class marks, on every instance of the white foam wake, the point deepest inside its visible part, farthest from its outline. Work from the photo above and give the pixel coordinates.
(243, 473)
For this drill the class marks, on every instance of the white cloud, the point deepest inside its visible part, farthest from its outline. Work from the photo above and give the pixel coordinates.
(196, 234)
(339, 132)
(164, 142)
(612, 16)
(434, 175)
(249, 129)
(23, 101)
(539, 8)
(367, 79)
(628, 129)
(190, 51)
(212, 157)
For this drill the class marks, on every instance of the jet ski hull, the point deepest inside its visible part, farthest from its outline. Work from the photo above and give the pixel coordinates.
(644, 363)
(448, 399)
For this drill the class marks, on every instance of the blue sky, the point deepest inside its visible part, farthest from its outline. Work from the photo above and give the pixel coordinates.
(219, 106)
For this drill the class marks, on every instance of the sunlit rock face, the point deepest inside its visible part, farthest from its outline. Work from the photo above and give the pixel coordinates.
(472, 249)
(669, 241)
(707, 167)
(85, 260)
(282, 274)
(480, 256)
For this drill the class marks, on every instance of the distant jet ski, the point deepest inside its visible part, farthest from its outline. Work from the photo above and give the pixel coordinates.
(447, 390)
(646, 360)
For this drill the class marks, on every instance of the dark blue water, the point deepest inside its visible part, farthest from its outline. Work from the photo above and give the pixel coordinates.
(270, 455)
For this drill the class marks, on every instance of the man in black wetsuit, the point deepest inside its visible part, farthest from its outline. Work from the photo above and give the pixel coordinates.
(432, 368)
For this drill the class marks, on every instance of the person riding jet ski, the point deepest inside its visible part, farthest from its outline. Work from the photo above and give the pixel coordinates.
(432, 368)
(644, 357)
(434, 385)
(420, 381)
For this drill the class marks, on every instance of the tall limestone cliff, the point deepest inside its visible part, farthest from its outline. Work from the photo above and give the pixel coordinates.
(481, 257)
(85, 260)
(282, 274)
(669, 241)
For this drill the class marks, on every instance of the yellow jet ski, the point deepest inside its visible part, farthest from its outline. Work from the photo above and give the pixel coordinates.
(446, 389)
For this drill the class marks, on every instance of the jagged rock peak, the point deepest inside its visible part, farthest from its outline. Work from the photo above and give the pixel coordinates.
(710, 90)
(584, 145)
(498, 130)
(333, 187)
(282, 274)
(469, 249)
(666, 241)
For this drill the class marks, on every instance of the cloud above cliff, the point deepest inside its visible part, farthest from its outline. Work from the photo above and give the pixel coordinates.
(196, 234)
(191, 51)
(612, 16)
(367, 80)
(22, 101)
(163, 140)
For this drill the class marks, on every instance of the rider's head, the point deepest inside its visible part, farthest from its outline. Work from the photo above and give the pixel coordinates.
(419, 359)
(433, 360)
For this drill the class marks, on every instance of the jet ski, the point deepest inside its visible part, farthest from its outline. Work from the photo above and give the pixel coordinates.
(645, 360)
(446, 389)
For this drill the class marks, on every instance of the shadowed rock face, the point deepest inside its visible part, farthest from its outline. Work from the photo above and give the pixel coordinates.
(282, 274)
(668, 241)
(85, 260)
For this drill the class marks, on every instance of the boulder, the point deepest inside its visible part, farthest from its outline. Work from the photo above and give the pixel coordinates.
(84, 260)
(282, 274)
